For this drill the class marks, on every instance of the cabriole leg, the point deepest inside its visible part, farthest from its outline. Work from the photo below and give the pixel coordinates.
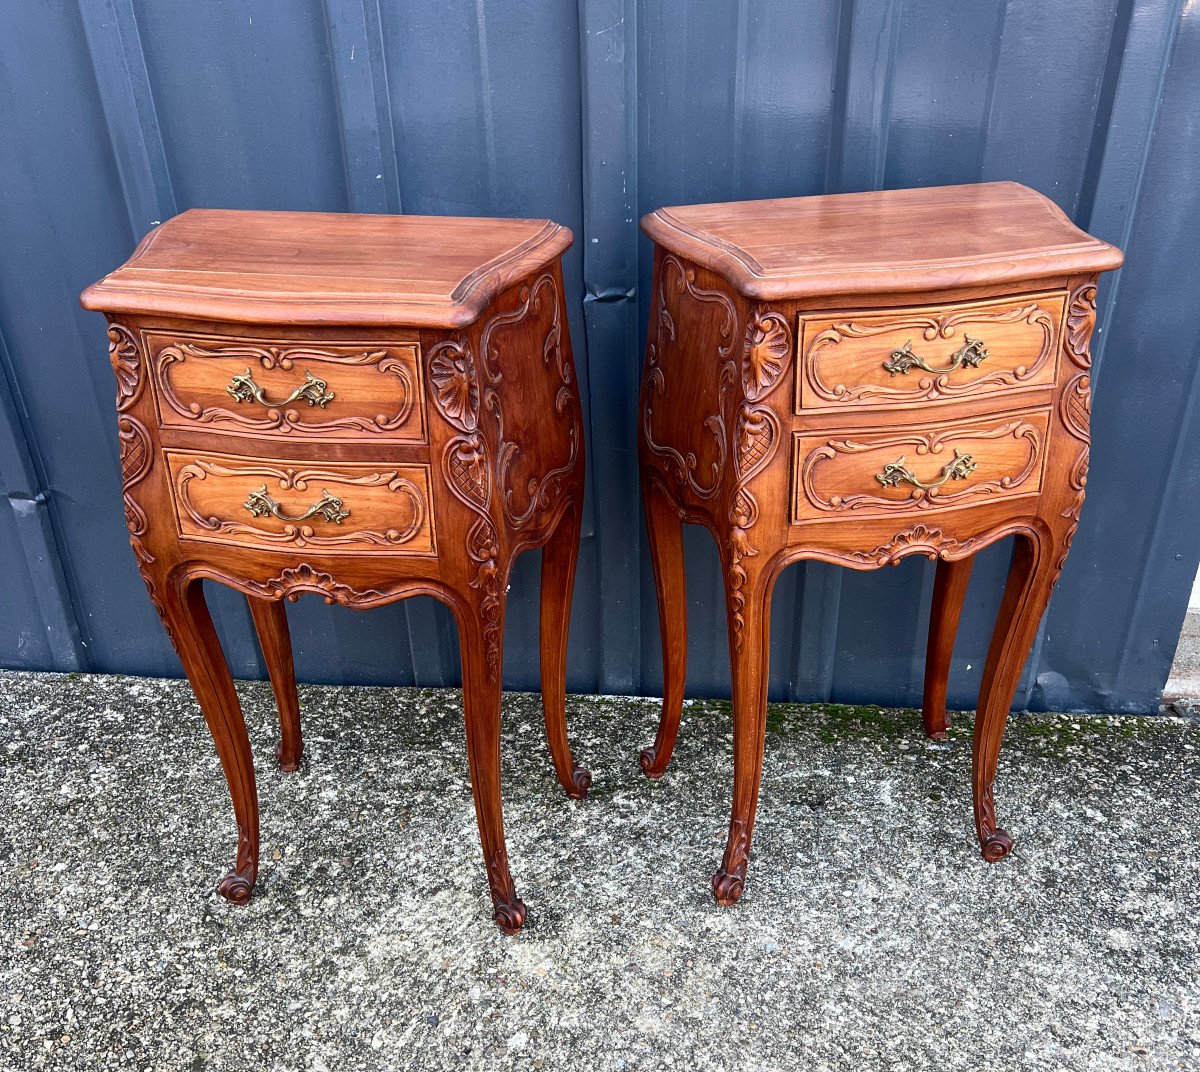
(749, 660)
(187, 617)
(665, 529)
(1026, 594)
(949, 591)
(558, 580)
(481, 706)
(271, 624)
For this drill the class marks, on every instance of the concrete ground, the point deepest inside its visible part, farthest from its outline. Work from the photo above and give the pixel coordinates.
(1183, 687)
(871, 934)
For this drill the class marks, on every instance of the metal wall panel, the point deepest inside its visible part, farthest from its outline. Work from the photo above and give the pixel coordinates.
(115, 114)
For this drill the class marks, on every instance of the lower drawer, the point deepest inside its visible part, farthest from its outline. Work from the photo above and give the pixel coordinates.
(275, 505)
(925, 468)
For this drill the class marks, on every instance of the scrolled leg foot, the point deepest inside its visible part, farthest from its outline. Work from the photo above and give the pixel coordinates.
(728, 885)
(581, 780)
(730, 879)
(510, 917)
(508, 910)
(237, 888)
(650, 764)
(996, 845)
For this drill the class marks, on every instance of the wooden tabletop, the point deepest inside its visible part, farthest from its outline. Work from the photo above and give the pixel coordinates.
(326, 268)
(892, 240)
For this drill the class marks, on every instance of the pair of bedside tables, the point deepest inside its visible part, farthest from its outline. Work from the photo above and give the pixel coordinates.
(368, 408)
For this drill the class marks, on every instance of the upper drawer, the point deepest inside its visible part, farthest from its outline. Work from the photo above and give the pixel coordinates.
(355, 390)
(936, 353)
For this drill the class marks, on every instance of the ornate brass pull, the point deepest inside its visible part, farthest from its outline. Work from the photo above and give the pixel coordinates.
(969, 355)
(313, 390)
(260, 504)
(896, 473)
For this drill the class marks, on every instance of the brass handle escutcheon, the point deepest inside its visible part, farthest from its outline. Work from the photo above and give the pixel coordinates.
(896, 473)
(260, 504)
(969, 355)
(314, 390)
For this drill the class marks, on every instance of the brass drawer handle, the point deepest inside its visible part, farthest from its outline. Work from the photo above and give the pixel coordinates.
(313, 390)
(970, 355)
(896, 473)
(260, 504)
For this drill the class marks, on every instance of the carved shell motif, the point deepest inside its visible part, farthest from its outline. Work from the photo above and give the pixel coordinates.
(768, 342)
(455, 384)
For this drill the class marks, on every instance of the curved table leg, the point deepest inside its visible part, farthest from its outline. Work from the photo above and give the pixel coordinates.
(749, 661)
(665, 529)
(1027, 592)
(559, 557)
(271, 625)
(481, 706)
(190, 624)
(949, 591)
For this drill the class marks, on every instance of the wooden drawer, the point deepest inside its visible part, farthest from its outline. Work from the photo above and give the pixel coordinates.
(936, 353)
(930, 467)
(335, 391)
(332, 507)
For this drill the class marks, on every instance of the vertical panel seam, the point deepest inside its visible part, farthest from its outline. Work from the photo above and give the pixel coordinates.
(130, 93)
(884, 119)
(485, 101)
(68, 648)
(1149, 548)
(384, 111)
(1133, 194)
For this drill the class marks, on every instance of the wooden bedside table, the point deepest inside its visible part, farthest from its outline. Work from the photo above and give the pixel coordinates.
(855, 379)
(362, 407)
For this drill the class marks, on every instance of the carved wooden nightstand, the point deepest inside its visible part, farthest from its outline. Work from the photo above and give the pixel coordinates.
(362, 407)
(855, 379)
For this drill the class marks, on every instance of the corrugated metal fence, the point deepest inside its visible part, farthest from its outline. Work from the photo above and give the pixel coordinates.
(115, 114)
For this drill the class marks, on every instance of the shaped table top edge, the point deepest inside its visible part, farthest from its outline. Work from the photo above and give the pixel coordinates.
(132, 290)
(1071, 252)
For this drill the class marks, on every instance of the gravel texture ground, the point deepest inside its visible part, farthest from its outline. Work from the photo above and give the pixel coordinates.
(871, 935)
(1183, 687)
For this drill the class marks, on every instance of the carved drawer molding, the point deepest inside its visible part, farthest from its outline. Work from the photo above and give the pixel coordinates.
(288, 387)
(932, 353)
(283, 505)
(924, 469)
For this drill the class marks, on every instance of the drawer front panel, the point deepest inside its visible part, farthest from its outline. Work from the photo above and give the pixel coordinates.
(284, 505)
(938, 353)
(921, 469)
(335, 391)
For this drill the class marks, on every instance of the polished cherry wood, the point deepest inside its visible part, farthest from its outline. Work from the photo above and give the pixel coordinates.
(894, 242)
(855, 379)
(364, 408)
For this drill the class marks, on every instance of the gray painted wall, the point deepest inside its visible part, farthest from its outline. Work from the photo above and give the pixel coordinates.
(115, 114)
